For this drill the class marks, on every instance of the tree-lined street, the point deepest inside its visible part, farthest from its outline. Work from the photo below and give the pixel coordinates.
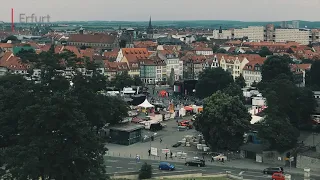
(123, 165)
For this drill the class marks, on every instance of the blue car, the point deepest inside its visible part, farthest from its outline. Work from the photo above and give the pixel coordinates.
(166, 166)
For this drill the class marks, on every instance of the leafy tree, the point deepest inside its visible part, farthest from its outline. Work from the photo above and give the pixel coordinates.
(202, 39)
(278, 132)
(215, 48)
(212, 80)
(275, 66)
(47, 129)
(137, 81)
(254, 84)
(284, 96)
(234, 90)
(314, 76)
(264, 51)
(223, 122)
(10, 38)
(171, 77)
(26, 55)
(122, 80)
(240, 81)
(221, 50)
(145, 171)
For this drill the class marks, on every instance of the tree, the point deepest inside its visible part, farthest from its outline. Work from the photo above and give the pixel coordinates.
(275, 66)
(145, 171)
(49, 129)
(212, 80)
(215, 48)
(295, 103)
(264, 51)
(171, 77)
(137, 81)
(221, 50)
(223, 122)
(234, 90)
(10, 38)
(314, 76)
(122, 80)
(240, 81)
(278, 132)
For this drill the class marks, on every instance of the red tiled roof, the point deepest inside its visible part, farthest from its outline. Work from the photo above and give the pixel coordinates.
(12, 62)
(115, 66)
(6, 45)
(92, 38)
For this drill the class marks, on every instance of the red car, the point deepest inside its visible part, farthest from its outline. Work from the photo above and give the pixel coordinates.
(186, 123)
(278, 176)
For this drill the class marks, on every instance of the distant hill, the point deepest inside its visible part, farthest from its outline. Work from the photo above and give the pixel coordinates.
(195, 24)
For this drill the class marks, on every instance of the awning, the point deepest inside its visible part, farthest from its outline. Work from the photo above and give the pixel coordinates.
(146, 104)
(188, 108)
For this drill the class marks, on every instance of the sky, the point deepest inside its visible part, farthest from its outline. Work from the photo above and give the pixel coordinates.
(141, 10)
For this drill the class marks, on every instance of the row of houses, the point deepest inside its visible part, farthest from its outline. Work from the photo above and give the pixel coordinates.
(157, 65)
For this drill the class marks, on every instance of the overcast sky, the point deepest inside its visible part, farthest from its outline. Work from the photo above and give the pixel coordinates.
(140, 10)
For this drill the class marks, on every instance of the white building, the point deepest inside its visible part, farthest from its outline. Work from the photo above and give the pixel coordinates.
(233, 64)
(172, 61)
(252, 73)
(203, 51)
(302, 36)
(177, 66)
(254, 33)
(225, 34)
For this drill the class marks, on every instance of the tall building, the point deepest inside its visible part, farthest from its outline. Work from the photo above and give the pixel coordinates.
(269, 32)
(253, 33)
(301, 36)
(150, 30)
(284, 24)
(295, 24)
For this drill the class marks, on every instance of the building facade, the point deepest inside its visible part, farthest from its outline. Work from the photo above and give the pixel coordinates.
(233, 64)
(148, 71)
(94, 40)
(302, 36)
(253, 33)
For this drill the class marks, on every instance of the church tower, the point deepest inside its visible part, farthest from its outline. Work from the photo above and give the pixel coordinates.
(150, 30)
(220, 35)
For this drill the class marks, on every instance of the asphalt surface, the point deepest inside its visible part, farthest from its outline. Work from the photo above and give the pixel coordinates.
(123, 165)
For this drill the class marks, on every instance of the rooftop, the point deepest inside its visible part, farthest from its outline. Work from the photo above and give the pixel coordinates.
(126, 127)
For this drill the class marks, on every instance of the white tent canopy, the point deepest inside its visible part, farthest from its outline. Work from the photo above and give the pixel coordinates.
(146, 104)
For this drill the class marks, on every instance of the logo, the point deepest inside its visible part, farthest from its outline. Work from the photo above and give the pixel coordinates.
(23, 18)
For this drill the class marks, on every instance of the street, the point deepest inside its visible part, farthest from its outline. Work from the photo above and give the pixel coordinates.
(121, 165)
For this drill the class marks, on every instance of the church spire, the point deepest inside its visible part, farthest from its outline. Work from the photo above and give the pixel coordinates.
(150, 25)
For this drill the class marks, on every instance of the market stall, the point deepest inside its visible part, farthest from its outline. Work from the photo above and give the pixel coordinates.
(145, 105)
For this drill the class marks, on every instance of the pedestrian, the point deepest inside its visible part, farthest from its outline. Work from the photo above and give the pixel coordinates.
(222, 160)
(171, 155)
(212, 158)
(137, 158)
(160, 140)
(149, 151)
(166, 155)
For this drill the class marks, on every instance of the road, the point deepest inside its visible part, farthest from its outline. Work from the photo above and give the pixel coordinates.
(118, 165)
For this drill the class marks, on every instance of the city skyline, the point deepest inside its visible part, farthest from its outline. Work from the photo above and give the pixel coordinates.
(141, 10)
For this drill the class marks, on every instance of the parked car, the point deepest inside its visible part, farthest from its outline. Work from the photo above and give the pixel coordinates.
(278, 176)
(166, 166)
(177, 144)
(195, 162)
(273, 170)
(186, 123)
